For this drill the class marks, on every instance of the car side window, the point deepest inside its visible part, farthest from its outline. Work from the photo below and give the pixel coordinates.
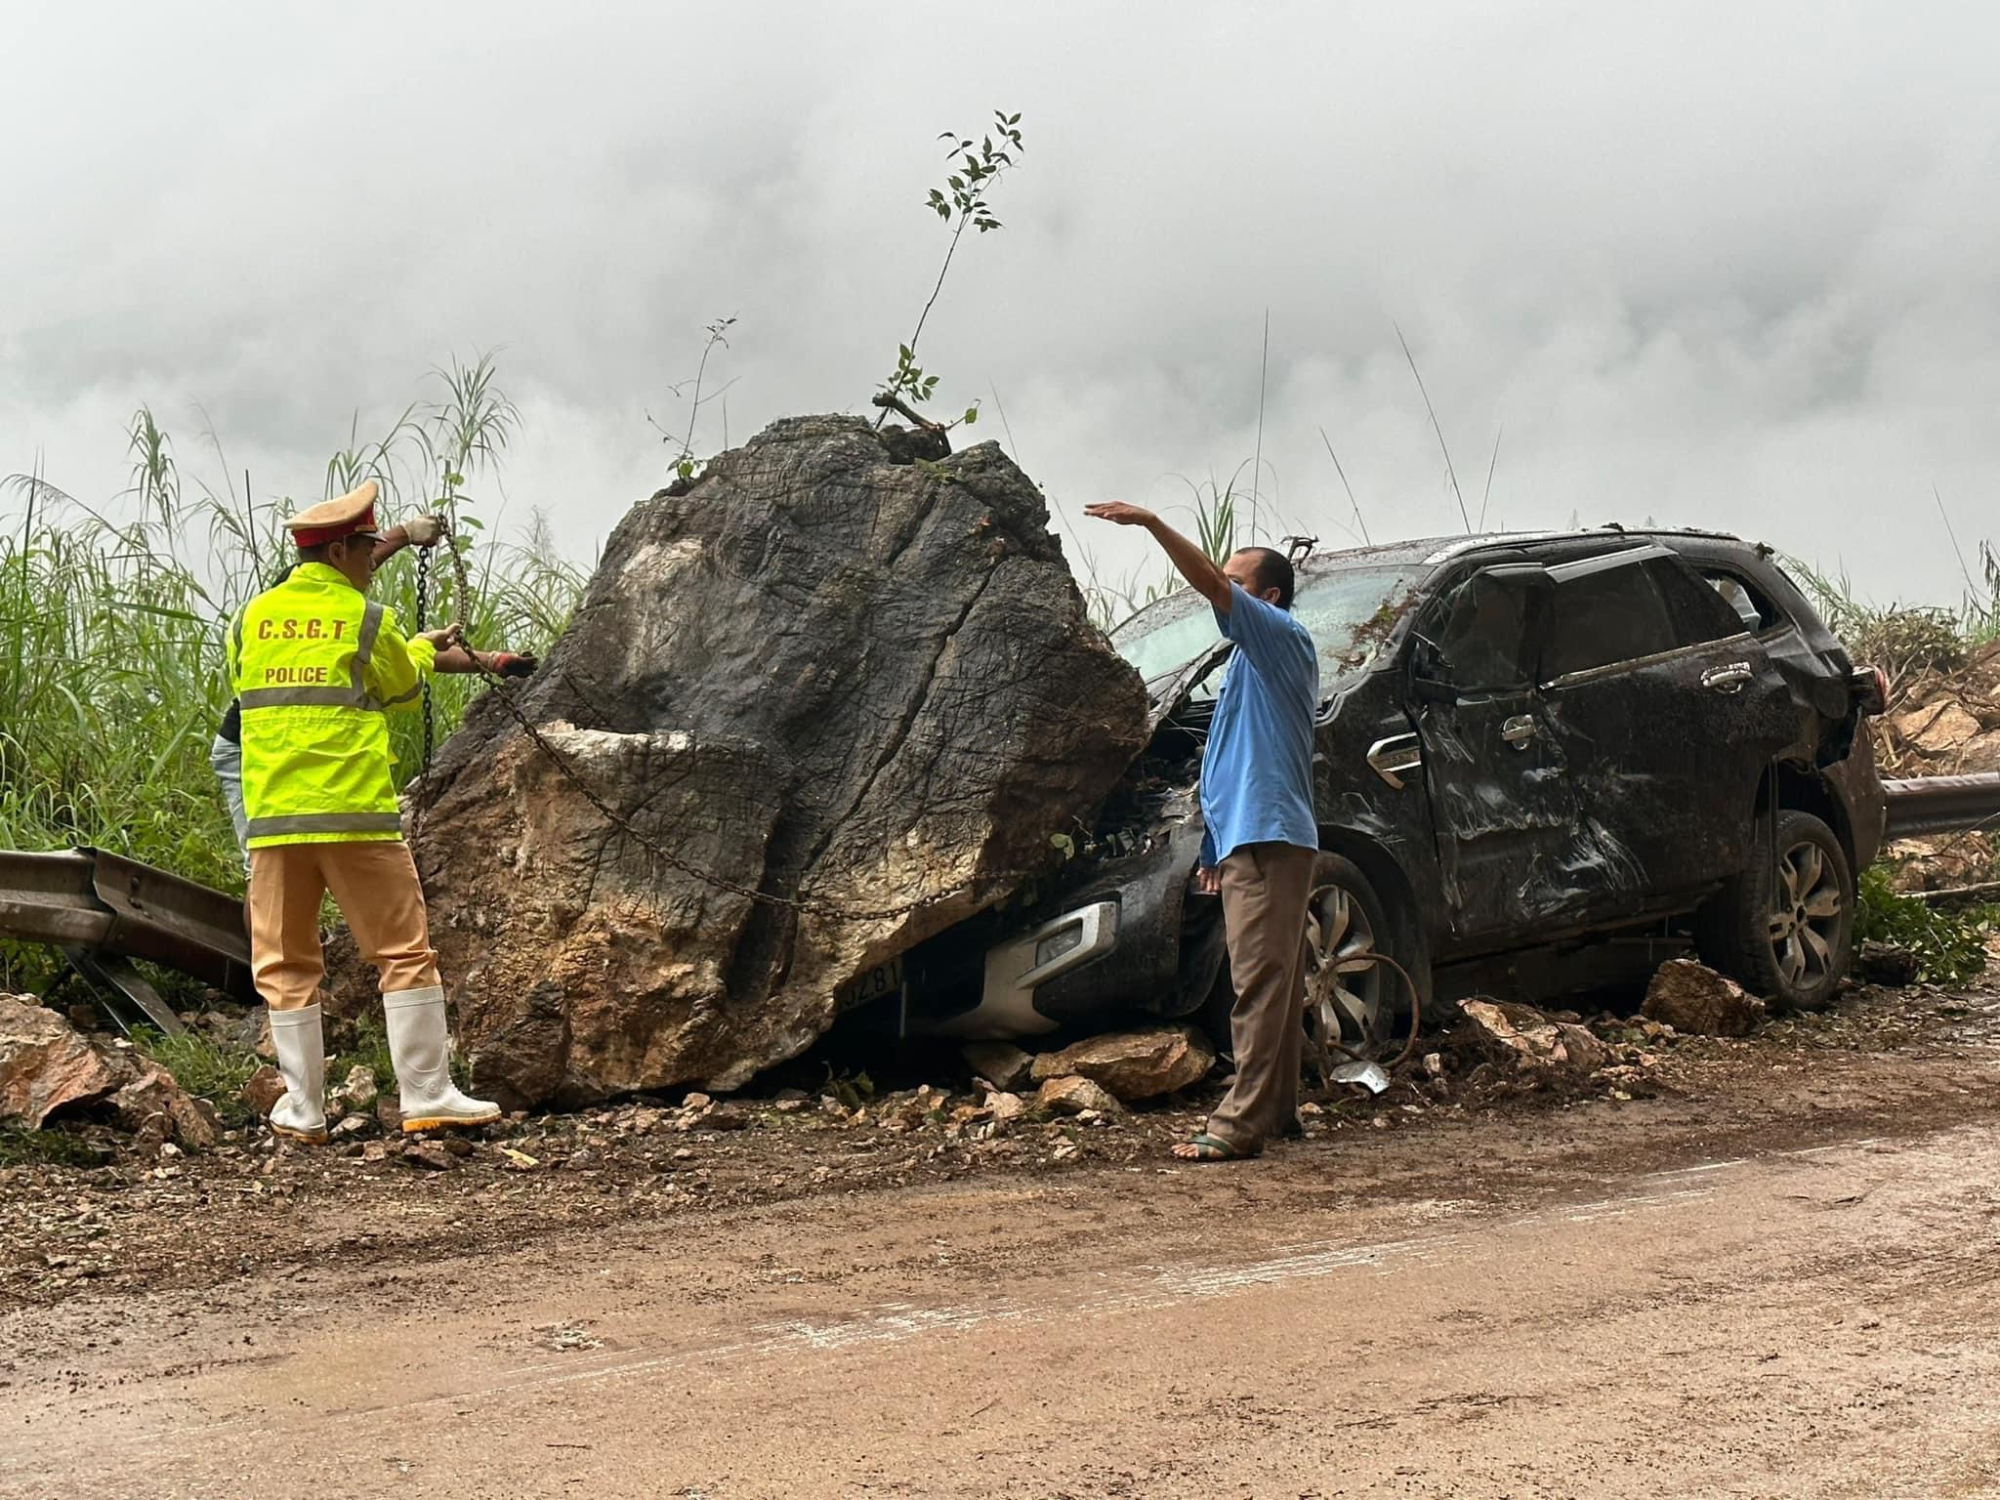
(1698, 609)
(1482, 639)
(1606, 610)
(1757, 612)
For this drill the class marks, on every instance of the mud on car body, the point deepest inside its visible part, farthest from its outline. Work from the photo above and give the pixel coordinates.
(1540, 759)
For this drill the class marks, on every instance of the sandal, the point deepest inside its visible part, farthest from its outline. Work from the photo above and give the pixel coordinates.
(1209, 1148)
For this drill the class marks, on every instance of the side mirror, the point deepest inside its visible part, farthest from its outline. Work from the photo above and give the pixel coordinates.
(1427, 667)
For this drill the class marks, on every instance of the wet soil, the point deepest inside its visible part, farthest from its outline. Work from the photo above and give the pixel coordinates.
(1767, 1272)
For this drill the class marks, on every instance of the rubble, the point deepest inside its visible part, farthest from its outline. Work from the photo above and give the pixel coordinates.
(1692, 998)
(45, 1064)
(263, 1089)
(1525, 1041)
(1001, 1064)
(182, 1222)
(1133, 1065)
(153, 1107)
(827, 670)
(1943, 720)
(1074, 1096)
(1886, 964)
(358, 1092)
(1006, 1108)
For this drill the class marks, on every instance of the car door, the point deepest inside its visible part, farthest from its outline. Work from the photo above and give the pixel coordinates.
(1668, 712)
(1503, 809)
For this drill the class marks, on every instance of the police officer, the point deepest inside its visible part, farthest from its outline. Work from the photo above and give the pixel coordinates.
(314, 664)
(225, 755)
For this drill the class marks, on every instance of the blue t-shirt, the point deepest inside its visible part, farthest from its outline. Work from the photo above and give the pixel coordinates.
(1256, 775)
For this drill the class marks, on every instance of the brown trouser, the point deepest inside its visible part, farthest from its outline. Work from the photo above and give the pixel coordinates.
(1264, 892)
(374, 885)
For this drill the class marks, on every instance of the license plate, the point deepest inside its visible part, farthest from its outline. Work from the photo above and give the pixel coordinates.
(883, 979)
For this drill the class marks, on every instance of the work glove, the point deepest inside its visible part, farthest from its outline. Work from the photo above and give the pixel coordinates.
(423, 531)
(514, 664)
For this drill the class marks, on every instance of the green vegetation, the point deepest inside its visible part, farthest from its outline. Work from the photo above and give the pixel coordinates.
(50, 1146)
(962, 203)
(368, 1048)
(205, 1068)
(1901, 639)
(112, 622)
(1217, 530)
(1950, 945)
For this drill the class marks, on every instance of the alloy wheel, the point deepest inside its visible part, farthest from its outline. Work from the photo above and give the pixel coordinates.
(1807, 906)
(1345, 992)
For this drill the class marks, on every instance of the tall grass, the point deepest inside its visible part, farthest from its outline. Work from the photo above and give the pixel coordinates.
(112, 622)
(1217, 531)
(1907, 640)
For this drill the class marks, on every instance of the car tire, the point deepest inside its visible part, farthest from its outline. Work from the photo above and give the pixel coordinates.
(1346, 914)
(1785, 927)
(1363, 1006)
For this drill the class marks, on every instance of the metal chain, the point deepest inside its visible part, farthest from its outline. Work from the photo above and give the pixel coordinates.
(423, 595)
(804, 905)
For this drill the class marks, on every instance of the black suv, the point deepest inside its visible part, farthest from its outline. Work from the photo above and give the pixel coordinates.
(1542, 762)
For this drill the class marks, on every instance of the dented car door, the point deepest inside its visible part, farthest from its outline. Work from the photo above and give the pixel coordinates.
(1503, 807)
(1668, 712)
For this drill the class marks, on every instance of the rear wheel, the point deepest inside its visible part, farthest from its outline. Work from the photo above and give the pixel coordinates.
(1785, 928)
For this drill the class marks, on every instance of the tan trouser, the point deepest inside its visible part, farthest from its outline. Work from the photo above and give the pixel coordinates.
(1264, 892)
(374, 885)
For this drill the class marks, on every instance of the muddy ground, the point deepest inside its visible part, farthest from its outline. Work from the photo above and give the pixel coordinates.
(1767, 1273)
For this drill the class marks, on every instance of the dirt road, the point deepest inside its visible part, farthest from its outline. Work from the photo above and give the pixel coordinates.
(1778, 1284)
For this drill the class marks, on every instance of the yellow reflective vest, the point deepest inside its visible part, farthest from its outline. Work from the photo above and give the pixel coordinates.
(315, 663)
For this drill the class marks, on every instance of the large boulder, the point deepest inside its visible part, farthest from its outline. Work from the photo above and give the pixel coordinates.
(1133, 1064)
(829, 671)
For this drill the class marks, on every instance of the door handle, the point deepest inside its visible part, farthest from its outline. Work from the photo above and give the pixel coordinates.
(1518, 730)
(1729, 679)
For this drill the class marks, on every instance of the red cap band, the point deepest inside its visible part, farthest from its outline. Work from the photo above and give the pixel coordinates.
(313, 536)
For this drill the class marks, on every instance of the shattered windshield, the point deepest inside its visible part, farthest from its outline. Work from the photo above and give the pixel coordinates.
(1347, 610)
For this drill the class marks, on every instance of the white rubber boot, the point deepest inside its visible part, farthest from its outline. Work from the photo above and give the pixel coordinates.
(301, 1047)
(421, 1051)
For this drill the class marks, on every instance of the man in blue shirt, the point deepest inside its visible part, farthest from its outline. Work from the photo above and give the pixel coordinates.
(1260, 839)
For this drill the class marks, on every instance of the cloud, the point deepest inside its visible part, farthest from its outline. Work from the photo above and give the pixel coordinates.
(1705, 264)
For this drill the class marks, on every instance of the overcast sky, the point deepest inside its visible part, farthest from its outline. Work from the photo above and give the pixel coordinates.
(1731, 265)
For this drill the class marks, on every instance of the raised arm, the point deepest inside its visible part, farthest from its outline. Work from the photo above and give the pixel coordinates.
(1192, 563)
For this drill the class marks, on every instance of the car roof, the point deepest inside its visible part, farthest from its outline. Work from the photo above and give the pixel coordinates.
(1426, 555)
(1438, 550)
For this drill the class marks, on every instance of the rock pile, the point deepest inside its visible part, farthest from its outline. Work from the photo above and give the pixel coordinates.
(48, 1067)
(1943, 718)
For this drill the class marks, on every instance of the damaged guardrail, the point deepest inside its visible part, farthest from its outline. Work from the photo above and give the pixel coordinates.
(1925, 805)
(103, 910)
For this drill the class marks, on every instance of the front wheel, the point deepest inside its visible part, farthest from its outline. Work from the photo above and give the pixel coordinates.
(1354, 1006)
(1785, 927)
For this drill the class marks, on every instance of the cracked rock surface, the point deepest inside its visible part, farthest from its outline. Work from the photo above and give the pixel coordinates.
(828, 670)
